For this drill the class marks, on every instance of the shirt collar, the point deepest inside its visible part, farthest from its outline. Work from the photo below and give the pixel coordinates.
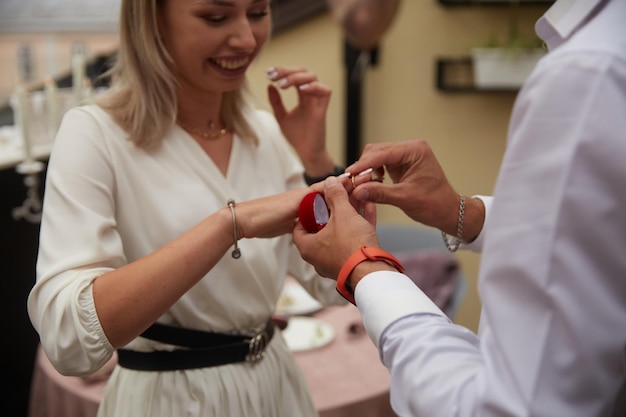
(563, 18)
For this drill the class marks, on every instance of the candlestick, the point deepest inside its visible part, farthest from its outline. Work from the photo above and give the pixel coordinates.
(52, 105)
(21, 117)
(52, 55)
(87, 90)
(30, 210)
(78, 75)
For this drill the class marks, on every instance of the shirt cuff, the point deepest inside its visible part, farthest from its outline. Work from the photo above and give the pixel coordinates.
(383, 297)
(477, 244)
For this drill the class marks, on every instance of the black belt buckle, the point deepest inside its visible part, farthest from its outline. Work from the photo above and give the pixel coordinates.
(257, 345)
(204, 349)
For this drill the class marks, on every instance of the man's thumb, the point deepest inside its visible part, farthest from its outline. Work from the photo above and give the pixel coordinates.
(333, 192)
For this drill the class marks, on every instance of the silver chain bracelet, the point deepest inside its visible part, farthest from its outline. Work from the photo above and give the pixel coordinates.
(454, 246)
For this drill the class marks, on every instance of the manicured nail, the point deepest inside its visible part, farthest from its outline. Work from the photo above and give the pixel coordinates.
(367, 171)
(304, 86)
(344, 175)
(282, 82)
(272, 75)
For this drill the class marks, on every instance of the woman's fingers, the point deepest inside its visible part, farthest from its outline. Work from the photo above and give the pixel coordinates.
(289, 77)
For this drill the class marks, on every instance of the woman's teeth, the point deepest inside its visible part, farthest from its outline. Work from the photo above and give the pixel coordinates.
(231, 64)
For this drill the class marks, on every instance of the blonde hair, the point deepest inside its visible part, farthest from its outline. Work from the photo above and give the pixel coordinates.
(142, 97)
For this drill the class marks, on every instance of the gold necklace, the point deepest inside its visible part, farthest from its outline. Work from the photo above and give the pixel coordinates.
(205, 135)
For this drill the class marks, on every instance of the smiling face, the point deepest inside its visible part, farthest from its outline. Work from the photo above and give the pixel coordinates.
(212, 42)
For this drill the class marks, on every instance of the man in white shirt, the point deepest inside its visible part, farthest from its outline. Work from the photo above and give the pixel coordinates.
(552, 334)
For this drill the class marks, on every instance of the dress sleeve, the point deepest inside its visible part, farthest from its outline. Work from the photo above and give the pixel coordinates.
(78, 242)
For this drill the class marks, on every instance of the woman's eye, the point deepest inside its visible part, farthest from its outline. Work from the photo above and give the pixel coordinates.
(258, 14)
(214, 18)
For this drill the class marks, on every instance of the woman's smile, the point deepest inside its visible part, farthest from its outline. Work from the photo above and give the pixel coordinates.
(231, 66)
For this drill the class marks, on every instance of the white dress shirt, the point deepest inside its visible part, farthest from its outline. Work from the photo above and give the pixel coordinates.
(552, 334)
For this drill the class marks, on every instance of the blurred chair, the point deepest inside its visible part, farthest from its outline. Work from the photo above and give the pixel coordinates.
(416, 245)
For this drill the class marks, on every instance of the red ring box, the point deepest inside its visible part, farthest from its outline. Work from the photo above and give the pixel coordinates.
(313, 212)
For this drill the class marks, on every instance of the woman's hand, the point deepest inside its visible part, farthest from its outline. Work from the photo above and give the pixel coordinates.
(304, 126)
(270, 216)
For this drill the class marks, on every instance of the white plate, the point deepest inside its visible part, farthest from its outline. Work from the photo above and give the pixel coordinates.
(294, 300)
(306, 333)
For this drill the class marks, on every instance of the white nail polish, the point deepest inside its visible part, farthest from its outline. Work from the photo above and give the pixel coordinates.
(282, 82)
(304, 86)
(272, 75)
(367, 171)
(344, 175)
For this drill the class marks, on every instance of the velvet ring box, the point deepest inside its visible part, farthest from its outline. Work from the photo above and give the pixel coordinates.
(313, 212)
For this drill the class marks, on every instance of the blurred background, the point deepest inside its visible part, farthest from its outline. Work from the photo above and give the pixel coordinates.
(418, 82)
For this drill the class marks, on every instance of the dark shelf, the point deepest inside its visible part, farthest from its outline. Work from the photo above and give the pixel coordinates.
(456, 75)
(288, 13)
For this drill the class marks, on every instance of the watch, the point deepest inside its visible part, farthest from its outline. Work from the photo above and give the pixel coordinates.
(363, 254)
(337, 170)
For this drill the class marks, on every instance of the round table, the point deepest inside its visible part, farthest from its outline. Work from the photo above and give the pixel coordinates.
(345, 377)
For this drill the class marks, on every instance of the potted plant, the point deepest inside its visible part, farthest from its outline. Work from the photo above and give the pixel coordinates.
(506, 65)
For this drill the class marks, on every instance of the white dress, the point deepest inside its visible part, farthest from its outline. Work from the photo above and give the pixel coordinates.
(108, 203)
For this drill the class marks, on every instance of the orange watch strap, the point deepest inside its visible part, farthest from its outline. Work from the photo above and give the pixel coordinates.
(363, 254)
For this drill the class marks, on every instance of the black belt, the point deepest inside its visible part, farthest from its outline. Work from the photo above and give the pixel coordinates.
(204, 349)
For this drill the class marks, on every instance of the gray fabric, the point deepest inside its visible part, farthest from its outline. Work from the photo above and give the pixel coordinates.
(427, 262)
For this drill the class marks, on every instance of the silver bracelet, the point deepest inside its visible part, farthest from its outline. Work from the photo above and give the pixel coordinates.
(454, 246)
(236, 253)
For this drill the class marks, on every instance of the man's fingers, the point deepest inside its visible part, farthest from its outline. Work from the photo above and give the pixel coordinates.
(334, 193)
(371, 191)
(369, 213)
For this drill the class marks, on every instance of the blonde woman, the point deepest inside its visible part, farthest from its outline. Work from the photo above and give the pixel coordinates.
(156, 198)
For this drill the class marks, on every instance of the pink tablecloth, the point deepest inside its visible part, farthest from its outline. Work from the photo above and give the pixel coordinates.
(345, 377)
(55, 395)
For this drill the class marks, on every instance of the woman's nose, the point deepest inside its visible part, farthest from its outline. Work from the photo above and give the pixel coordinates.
(242, 36)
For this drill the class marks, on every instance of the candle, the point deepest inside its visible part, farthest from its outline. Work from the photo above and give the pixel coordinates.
(52, 106)
(52, 54)
(21, 117)
(78, 75)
